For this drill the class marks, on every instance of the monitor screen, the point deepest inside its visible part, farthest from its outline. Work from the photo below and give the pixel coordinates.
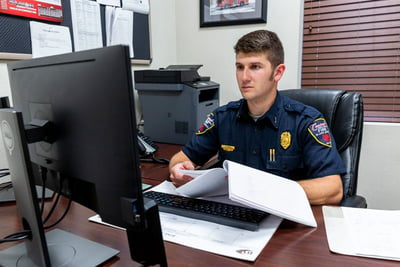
(87, 98)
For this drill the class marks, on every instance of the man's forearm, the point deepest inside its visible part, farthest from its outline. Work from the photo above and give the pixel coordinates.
(325, 190)
(177, 158)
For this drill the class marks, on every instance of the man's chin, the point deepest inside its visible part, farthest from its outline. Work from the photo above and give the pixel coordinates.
(246, 95)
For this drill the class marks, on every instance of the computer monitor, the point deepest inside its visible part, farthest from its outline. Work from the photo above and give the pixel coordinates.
(82, 105)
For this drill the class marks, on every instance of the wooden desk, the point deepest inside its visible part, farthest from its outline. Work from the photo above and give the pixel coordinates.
(292, 245)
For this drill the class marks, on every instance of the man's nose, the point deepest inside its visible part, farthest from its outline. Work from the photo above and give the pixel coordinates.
(245, 74)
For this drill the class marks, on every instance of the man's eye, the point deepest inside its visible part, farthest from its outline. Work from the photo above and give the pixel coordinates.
(239, 67)
(255, 67)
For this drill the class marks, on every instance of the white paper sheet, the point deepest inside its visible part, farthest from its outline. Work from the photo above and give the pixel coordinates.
(86, 24)
(215, 238)
(110, 2)
(138, 6)
(119, 27)
(363, 232)
(48, 39)
(270, 193)
(213, 182)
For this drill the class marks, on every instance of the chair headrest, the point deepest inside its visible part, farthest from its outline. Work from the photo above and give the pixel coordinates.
(325, 100)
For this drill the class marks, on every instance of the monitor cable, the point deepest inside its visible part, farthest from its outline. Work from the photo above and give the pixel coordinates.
(4, 172)
(55, 203)
(155, 160)
(5, 186)
(17, 236)
(43, 175)
(62, 216)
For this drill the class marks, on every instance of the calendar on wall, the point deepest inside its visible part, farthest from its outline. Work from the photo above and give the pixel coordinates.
(50, 10)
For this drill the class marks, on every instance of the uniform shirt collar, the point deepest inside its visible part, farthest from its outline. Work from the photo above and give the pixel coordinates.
(272, 115)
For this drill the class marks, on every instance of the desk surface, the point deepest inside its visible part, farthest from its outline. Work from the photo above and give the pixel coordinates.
(292, 245)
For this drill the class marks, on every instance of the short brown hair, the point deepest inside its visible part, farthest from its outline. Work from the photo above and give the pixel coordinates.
(262, 41)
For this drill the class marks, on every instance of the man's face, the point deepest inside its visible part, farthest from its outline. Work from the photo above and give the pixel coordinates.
(255, 77)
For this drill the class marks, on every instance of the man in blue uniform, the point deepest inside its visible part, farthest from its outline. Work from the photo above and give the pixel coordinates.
(266, 130)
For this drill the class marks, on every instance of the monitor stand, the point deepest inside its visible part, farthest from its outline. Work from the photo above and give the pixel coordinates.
(65, 249)
(40, 249)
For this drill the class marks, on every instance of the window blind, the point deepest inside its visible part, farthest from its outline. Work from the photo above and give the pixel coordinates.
(355, 45)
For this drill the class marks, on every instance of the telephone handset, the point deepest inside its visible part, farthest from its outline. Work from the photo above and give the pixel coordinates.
(147, 149)
(146, 146)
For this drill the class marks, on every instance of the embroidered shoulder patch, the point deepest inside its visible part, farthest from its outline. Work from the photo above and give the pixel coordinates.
(319, 130)
(207, 125)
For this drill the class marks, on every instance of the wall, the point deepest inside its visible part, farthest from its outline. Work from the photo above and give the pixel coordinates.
(213, 46)
(379, 172)
(177, 39)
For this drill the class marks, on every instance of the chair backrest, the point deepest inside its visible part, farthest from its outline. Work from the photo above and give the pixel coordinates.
(344, 113)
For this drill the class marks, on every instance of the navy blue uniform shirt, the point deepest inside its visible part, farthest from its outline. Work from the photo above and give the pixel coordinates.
(291, 140)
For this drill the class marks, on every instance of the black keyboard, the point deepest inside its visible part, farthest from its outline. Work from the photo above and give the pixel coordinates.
(221, 213)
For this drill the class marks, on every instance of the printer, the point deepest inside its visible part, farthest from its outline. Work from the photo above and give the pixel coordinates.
(175, 101)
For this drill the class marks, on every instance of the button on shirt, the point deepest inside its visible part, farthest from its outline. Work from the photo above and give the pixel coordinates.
(291, 140)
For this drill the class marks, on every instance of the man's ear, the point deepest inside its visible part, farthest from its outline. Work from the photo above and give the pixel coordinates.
(278, 73)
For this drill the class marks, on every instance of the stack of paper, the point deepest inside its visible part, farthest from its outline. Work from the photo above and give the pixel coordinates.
(363, 232)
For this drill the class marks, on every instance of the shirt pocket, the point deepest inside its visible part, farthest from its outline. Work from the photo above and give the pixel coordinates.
(286, 165)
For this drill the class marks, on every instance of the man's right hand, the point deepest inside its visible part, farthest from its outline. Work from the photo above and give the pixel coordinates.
(177, 177)
(180, 162)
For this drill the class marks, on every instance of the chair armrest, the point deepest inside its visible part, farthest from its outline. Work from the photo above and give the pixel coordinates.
(354, 202)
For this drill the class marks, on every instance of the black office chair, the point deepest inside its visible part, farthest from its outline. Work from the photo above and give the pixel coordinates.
(344, 113)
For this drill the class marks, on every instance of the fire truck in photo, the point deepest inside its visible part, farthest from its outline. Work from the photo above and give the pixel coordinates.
(231, 3)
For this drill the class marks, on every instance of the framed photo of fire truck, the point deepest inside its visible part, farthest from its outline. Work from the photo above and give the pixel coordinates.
(232, 12)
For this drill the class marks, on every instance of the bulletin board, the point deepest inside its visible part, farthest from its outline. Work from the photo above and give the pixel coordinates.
(15, 39)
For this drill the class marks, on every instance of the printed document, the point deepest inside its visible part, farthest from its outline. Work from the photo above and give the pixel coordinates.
(363, 232)
(119, 27)
(48, 39)
(215, 238)
(254, 188)
(86, 24)
(138, 6)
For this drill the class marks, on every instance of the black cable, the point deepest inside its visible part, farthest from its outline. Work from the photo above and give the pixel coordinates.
(17, 236)
(62, 216)
(6, 186)
(43, 175)
(4, 172)
(55, 203)
(155, 160)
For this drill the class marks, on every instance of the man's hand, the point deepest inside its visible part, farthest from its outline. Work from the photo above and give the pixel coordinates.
(177, 177)
(180, 162)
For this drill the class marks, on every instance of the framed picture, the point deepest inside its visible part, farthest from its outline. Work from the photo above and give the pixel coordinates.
(232, 12)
